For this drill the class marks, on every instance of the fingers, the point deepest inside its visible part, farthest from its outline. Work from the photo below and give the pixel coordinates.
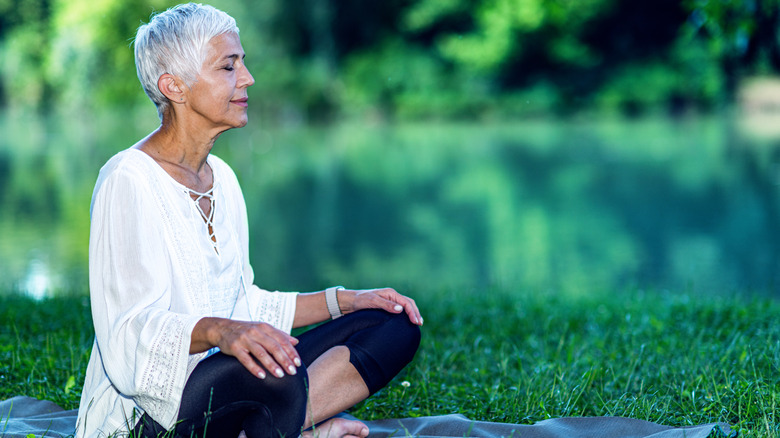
(411, 309)
(393, 302)
(276, 353)
(250, 364)
(263, 349)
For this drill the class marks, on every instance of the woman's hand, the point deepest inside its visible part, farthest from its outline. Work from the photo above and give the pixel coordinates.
(250, 343)
(386, 299)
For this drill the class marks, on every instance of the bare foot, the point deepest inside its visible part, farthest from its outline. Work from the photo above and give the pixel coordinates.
(338, 428)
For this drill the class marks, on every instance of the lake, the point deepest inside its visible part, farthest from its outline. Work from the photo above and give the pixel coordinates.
(687, 205)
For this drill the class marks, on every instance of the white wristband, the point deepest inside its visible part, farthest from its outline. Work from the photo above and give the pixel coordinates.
(332, 301)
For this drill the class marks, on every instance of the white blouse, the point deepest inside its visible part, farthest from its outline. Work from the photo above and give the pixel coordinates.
(153, 274)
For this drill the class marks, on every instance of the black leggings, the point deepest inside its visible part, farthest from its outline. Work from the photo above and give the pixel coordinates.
(221, 397)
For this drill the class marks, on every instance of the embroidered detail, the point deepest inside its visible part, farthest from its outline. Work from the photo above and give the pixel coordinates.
(223, 301)
(157, 386)
(274, 308)
(270, 309)
(187, 257)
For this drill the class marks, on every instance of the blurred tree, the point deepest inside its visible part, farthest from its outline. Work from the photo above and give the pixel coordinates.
(323, 36)
(320, 59)
(743, 36)
(23, 31)
(577, 45)
(90, 60)
(73, 52)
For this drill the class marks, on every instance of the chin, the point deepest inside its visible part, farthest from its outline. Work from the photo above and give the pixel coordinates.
(240, 123)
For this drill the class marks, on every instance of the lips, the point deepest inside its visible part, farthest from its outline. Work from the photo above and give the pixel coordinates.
(240, 102)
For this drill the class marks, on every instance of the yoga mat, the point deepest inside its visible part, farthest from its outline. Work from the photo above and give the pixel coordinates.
(22, 416)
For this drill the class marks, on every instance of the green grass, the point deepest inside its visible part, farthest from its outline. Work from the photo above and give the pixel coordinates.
(44, 348)
(668, 358)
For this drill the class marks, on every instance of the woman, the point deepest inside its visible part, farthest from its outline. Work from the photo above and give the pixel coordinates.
(184, 340)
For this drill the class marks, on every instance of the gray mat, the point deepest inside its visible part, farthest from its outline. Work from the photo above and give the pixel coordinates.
(21, 417)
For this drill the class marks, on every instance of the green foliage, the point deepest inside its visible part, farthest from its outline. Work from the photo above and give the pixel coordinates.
(89, 58)
(398, 79)
(23, 80)
(507, 29)
(685, 77)
(742, 35)
(412, 58)
(729, 23)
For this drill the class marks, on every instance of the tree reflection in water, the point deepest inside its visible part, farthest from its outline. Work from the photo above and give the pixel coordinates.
(539, 205)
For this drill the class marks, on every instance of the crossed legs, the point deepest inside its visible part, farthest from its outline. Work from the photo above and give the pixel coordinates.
(363, 351)
(334, 385)
(344, 361)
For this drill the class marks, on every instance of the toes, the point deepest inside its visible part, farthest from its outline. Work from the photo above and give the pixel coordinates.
(340, 428)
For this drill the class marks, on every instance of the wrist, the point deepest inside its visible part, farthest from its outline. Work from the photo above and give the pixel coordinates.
(332, 301)
(214, 331)
(205, 335)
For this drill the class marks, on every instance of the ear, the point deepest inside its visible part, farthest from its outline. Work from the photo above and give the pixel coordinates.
(171, 87)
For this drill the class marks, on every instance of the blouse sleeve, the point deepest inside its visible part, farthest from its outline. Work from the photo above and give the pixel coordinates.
(143, 345)
(256, 304)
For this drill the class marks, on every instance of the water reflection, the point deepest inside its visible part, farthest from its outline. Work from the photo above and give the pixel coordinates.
(37, 282)
(606, 206)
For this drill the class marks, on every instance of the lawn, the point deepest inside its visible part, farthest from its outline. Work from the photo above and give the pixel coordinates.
(671, 358)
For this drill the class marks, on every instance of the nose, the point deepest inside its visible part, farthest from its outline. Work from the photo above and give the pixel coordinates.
(245, 78)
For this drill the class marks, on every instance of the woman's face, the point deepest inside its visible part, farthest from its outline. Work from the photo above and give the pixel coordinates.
(219, 94)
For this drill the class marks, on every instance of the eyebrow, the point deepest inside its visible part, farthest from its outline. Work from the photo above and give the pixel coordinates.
(234, 56)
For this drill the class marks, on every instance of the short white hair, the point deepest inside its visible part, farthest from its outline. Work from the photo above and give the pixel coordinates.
(174, 42)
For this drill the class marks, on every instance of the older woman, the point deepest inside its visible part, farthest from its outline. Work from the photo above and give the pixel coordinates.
(184, 341)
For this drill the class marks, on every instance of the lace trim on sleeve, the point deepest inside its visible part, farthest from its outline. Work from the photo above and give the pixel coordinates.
(276, 308)
(159, 393)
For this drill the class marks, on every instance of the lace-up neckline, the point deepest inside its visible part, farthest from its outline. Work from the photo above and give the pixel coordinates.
(209, 219)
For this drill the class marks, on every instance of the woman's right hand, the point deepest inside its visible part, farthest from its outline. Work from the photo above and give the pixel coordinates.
(257, 345)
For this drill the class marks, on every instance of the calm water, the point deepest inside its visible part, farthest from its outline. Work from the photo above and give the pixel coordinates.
(686, 206)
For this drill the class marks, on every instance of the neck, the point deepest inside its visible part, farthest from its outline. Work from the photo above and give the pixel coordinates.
(184, 145)
(181, 152)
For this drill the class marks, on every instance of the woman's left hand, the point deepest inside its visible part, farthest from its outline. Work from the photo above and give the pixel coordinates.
(386, 299)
